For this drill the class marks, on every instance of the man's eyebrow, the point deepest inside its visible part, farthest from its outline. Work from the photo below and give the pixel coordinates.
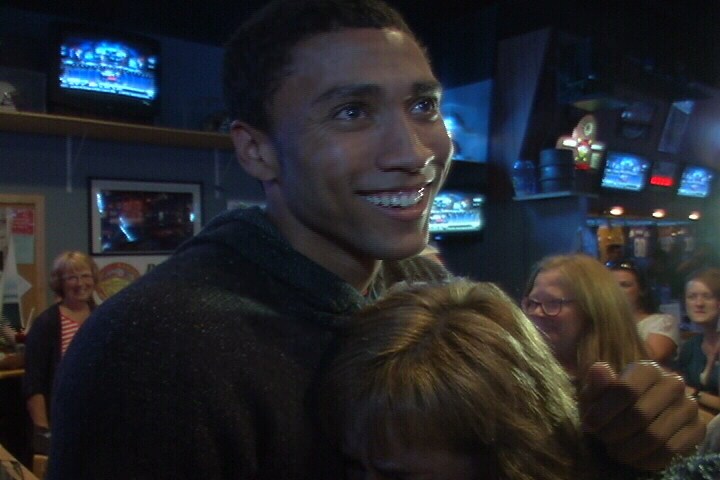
(348, 91)
(370, 89)
(427, 88)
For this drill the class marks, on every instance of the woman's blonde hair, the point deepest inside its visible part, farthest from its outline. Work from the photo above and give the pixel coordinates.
(610, 333)
(457, 367)
(68, 262)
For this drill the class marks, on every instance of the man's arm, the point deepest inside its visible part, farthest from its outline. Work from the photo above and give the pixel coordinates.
(643, 417)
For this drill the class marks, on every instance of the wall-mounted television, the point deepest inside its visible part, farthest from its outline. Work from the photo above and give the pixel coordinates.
(457, 211)
(695, 181)
(103, 73)
(625, 171)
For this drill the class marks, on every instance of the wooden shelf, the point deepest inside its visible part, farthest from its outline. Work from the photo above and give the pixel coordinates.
(26, 122)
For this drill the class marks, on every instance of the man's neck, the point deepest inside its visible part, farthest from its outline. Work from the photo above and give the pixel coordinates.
(355, 269)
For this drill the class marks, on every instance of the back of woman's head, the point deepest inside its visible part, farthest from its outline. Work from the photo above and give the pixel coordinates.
(610, 334)
(456, 367)
(710, 277)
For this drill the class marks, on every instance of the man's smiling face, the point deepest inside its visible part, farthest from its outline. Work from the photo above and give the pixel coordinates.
(360, 143)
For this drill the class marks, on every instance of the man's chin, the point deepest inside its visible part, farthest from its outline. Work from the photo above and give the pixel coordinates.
(400, 252)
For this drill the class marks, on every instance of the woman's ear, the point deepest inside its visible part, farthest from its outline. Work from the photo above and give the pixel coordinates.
(254, 151)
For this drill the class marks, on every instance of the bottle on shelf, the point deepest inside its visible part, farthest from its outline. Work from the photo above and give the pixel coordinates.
(523, 178)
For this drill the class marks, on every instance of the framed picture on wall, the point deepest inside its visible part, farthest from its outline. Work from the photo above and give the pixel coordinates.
(142, 218)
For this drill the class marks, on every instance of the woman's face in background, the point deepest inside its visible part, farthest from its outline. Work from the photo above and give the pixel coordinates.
(78, 284)
(700, 303)
(628, 282)
(564, 330)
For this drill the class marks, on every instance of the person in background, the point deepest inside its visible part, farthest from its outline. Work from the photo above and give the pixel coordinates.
(72, 279)
(402, 397)
(203, 366)
(658, 330)
(582, 312)
(578, 306)
(614, 253)
(697, 361)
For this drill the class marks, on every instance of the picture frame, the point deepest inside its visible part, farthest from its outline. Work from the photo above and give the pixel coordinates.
(141, 217)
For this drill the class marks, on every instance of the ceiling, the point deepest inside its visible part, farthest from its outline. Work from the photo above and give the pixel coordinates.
(213, 21)
(680, 41)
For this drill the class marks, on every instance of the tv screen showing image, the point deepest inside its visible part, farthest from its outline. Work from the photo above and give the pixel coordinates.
(625, 171)
(104, 72)
(455, 211)
(695, 181)
(108, 66)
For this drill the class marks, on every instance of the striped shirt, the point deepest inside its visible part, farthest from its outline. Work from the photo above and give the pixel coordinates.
(68, 329)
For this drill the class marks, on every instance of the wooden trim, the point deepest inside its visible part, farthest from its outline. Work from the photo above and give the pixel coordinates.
(38, 204)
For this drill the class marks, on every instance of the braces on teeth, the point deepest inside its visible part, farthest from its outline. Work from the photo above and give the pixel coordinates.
(396, 199)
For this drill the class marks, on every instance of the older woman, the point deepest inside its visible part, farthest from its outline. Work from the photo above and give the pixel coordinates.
(584, 315)
(73, 278)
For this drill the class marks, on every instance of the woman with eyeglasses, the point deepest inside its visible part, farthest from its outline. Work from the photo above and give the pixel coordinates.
(698, 358)
(583, 314)
(658, 330)
(73, 278)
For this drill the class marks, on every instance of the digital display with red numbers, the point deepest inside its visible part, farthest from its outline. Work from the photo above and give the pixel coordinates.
(664, 174)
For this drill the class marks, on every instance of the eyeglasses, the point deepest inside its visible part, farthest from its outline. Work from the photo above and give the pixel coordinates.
(85, 277)
(623, 265)
(551, 308)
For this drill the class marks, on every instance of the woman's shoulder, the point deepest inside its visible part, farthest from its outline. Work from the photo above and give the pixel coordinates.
(51, 314)
(660, 323)
(659, 317)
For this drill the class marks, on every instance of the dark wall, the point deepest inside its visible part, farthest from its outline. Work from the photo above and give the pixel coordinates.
(39, 164)
(190, 86)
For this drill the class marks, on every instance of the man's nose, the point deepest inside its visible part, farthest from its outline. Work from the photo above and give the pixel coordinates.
(406, 145)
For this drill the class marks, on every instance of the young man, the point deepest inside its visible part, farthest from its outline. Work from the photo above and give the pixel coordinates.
(203, 367)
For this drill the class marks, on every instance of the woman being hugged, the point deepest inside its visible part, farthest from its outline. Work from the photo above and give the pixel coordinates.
(73, 279)
(450, 382)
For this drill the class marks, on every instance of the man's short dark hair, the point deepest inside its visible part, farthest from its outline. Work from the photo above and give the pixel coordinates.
(258, 53)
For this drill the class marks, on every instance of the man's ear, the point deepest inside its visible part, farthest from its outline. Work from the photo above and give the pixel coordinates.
(254, 151)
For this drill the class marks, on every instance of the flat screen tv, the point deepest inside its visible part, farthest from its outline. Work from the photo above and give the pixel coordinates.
(625, 171)
(456, 211)
(103, 73)
(695, 181)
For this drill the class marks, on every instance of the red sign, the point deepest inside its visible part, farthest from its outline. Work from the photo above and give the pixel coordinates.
(23, 221)
(661, 181)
